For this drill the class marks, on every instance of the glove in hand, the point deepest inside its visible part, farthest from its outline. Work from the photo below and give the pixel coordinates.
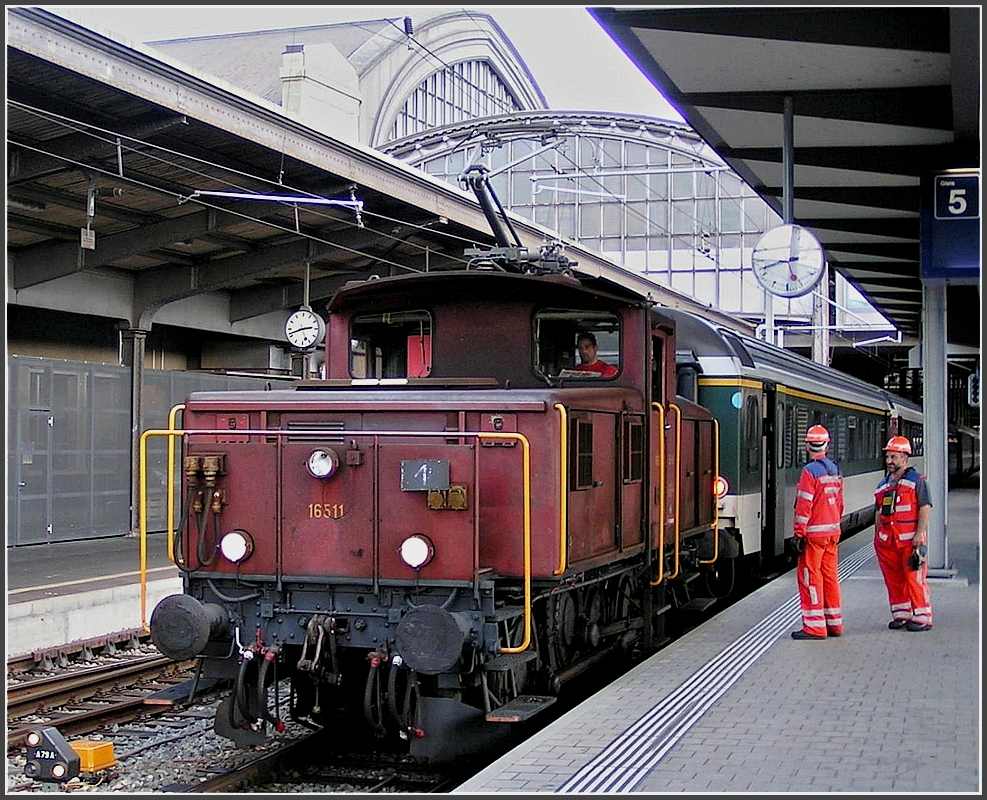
(918, 558)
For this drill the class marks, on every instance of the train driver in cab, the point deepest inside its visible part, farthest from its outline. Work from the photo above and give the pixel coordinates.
(588, 360)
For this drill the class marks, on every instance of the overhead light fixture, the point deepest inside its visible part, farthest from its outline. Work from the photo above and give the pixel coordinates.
(280, 198)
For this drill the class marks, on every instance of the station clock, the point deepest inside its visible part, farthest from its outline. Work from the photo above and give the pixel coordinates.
(788, 261)
(304, 328)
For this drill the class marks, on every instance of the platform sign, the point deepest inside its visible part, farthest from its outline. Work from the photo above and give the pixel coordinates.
(950, 229)
(957, 196)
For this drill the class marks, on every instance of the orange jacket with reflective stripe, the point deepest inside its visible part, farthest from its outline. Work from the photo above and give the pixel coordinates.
(897, 503)
(819, 499)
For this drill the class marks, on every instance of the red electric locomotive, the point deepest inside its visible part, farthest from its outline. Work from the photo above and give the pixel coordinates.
(457, 520)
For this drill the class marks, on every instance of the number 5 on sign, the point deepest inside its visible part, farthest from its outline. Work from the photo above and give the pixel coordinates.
(957, 196)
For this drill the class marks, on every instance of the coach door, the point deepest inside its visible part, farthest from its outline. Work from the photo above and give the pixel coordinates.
(772, 481)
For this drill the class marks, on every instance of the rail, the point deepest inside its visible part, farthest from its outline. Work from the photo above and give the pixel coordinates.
(171, 433)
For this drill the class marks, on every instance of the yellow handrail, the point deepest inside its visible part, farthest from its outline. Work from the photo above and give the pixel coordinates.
(527, 536)
(678, 479)
(142, 514)
(171, 480)
(564, 489)
(526, 460)
(716, 500)
(661, 493)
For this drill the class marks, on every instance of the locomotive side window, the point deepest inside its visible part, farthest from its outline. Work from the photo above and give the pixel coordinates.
(556, 347)
(581, 454)
(395, 345)
(657, 370)
(633, 462)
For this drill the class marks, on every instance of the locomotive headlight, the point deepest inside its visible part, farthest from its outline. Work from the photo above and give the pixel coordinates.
(720, 487)
(322, 463)
(236, 546)
(417, 551)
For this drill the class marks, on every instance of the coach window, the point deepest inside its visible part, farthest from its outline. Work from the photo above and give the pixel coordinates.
(841, 437)
(801, 426)
(556, 332)
(789, 435)
(752, 433)
(393, 345)
(781, 433)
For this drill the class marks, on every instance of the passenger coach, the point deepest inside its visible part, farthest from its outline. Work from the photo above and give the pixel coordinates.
(765, 398)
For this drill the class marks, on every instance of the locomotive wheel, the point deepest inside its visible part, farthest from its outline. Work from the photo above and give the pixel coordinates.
(720, 578)
(592, 614)
(560, 630)
(565, 616)
(625, 604)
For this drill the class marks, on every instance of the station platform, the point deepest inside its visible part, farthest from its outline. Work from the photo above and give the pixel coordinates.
(737, 706)
(63, 592)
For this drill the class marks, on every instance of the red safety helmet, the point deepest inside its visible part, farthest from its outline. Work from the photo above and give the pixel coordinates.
(817, 437)
(898, 444)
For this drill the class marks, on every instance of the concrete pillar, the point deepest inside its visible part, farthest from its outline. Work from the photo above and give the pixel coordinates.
(935, 421)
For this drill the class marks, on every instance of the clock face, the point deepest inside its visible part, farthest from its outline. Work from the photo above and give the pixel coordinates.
(304, 328)
(788, 261)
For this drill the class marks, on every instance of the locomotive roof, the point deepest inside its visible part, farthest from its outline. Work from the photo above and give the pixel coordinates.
(488, 284)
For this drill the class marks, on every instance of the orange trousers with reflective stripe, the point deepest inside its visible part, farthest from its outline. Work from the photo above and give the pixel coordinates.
(908, 589)
(819, 586)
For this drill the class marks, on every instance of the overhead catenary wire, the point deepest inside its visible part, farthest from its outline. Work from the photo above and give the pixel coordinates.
(224, 175)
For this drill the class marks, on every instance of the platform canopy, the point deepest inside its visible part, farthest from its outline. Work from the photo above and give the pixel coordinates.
(882, 96)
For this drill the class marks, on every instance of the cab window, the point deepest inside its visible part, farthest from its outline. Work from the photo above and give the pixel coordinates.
(576, 344)
(393, 345)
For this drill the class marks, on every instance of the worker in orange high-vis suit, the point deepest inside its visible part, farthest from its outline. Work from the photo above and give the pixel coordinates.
(901, 538)
(818, 511)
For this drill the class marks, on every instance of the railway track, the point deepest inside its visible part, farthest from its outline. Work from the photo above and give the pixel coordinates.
(81, 651)
(311, 764)
(83, 699)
